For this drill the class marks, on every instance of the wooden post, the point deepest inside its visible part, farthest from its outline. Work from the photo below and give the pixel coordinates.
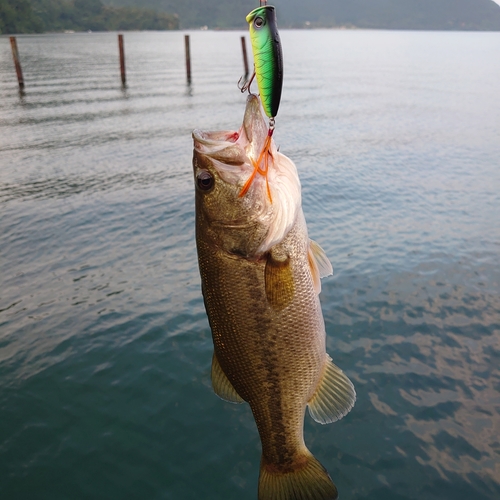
(245, 58)
(15, 55)
(188, 58)
(122, 59)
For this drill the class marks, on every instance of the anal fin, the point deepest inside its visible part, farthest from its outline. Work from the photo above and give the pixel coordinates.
(221, 385)
(334, 397)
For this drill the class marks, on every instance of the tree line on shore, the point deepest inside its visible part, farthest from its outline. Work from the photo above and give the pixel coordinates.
(372, 14)
(34, 16)
(39, 16)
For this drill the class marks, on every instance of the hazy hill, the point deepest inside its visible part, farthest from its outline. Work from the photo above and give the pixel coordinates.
(390, 14)
(26, 16)
(36, 16)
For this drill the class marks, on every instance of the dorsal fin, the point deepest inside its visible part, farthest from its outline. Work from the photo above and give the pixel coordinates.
(319, 264)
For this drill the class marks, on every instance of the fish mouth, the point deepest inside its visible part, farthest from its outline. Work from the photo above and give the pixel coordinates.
(221, 146)
(233, 148)
(205, 142)
(262, 153)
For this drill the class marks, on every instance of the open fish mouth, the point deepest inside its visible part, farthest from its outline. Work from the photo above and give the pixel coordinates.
(205, 142)
(241, 147)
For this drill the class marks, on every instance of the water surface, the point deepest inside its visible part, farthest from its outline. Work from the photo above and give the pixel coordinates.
(105, 348)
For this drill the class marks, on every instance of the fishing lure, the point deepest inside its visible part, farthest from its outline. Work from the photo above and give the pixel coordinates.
(268, 57)
(268, 62)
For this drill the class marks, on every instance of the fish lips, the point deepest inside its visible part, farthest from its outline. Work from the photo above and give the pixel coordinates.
(222, 146)
(235, 147)
(254, 125)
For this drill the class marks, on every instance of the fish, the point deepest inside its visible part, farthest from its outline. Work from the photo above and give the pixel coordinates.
(267, 55)
(260, 280)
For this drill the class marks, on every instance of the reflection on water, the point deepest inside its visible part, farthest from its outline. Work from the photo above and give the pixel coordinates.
(431, 367)
(105, 349)
(60, 188)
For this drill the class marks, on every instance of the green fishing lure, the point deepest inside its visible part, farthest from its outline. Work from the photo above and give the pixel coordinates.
(267, 55)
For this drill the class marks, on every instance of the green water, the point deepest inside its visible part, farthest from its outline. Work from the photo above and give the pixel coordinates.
(105, 348)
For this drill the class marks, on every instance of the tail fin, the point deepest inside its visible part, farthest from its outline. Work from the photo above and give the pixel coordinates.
(309, 482)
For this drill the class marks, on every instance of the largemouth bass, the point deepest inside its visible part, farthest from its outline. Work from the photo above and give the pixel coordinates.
(260, 277)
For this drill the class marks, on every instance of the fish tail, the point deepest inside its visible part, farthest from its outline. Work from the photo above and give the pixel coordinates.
(309, 481)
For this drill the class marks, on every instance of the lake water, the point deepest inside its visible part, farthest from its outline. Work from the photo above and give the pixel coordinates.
(105, 348)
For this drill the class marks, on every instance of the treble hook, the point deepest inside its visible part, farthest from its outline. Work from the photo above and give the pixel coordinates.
(246, 83)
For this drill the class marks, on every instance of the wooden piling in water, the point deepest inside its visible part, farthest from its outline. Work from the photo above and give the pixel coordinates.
(245, 58)
(122, 59)
(17, 63)
(188, 58)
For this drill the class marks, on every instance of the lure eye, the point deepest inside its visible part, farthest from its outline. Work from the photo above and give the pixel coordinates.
(258, 22)
(205, 180)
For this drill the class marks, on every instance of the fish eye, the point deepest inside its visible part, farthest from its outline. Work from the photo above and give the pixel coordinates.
(258, 22)
(205, 180)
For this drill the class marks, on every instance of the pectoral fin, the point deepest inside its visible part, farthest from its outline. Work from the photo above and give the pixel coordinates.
(319, 264)
(334, 397)
(280, 287)
(221, 385)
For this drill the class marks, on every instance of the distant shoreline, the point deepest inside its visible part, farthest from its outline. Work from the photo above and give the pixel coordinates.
(180, 30)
